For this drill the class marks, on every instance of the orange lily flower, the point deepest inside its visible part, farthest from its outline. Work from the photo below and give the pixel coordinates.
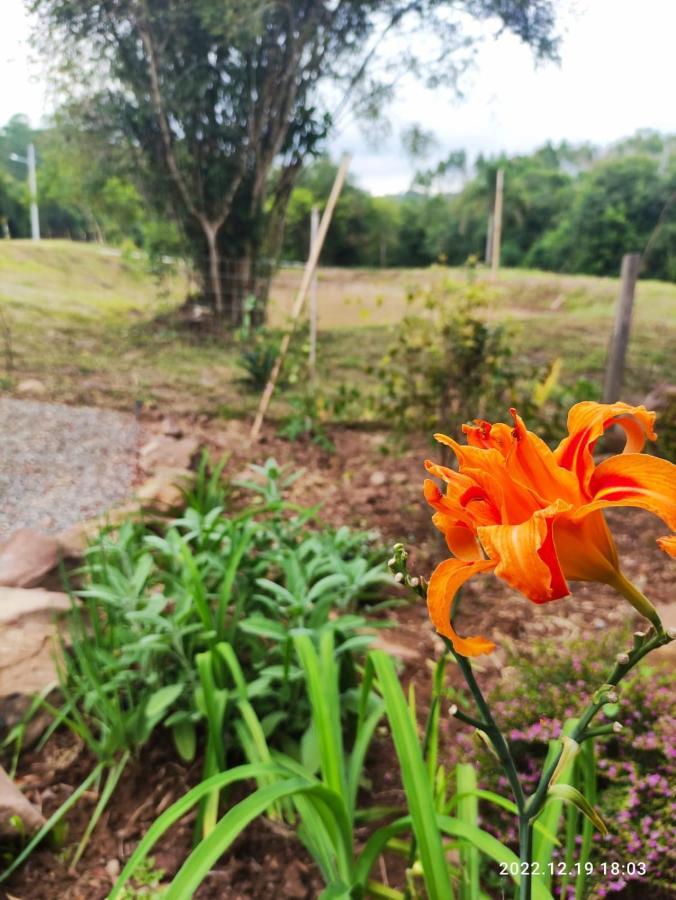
(534, 516)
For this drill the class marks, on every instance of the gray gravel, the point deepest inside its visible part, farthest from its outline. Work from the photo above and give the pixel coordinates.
(61, 464)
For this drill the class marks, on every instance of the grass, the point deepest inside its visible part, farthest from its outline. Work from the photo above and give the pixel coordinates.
(96, 328)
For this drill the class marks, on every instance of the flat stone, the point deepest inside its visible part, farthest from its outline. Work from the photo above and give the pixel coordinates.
(171, 427)
(164, 491)
(31, 386)
(28, 631)
(74, 541)
(14, 804)
(168, 452)
(27, 558)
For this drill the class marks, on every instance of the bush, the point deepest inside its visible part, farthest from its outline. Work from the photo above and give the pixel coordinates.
(448, 362)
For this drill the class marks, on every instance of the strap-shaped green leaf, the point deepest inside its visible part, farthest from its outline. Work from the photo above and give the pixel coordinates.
(416, 781)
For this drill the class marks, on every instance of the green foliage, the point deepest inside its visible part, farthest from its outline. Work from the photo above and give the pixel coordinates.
(448, 362)
(323, 785)
(191, 627)
(309, 412)
(624, 775)
(158, 601)
(217, 157)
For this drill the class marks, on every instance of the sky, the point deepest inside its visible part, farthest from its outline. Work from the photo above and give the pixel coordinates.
(617, 74)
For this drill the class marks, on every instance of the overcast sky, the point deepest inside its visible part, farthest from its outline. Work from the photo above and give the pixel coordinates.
(617, 74)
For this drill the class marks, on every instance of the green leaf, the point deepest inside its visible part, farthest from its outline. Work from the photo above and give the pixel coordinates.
(185, 740)
(468, 813)
(205, 855)
(415, 779)
(179, 809)
(159, 701)
(569, 794)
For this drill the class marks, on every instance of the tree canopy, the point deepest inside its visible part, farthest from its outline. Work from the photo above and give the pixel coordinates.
(221, 102)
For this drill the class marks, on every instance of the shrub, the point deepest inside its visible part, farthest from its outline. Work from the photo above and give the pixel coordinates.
(448, 361)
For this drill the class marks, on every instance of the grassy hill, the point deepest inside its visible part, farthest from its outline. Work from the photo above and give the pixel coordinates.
(95, 327)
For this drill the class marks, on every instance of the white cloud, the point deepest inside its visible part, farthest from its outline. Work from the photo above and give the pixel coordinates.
(617, 74)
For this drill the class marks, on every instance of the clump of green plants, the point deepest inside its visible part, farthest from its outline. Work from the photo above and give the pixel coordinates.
(546, 399)
(307, 420)
(171, 623)
(435, 831)
(447, 362)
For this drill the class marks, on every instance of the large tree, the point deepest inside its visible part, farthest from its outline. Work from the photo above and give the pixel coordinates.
(222, 100)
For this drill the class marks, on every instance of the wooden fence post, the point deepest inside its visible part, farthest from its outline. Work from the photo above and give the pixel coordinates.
(496, 239)
(619, 341)
(314, 229)
(488, 255)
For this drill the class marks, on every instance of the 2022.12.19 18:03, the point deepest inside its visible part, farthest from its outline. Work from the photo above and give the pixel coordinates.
(630, 868)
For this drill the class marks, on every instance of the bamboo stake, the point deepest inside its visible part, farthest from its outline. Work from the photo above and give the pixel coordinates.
(314, 225)
(310, 267)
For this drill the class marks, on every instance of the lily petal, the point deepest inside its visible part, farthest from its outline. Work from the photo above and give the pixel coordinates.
(525, 555)
(446, 580)
(532, 462)
(633, 479)
(460, 538)
(587, 422)
(668, 544)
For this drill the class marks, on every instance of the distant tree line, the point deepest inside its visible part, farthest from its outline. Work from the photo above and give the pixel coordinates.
(568, 208)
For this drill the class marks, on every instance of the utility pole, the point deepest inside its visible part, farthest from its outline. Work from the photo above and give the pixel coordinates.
(314, 229)
(497, 222)
(29, 160)
(33, 187)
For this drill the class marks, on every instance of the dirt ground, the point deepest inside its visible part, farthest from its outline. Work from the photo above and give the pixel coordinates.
(362, 486)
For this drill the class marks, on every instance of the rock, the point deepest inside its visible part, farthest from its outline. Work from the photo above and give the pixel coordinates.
(31, 386)
(171, 428)
(73, 541)
(28, 629)
(168, 452)
(165, 490)
(14, 803)
(27, 557)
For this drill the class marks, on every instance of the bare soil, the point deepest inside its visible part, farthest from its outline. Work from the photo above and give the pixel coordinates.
(364, 484)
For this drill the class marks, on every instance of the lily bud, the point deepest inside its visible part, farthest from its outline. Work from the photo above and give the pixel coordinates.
(622, 658)
(617, 727)
(399, 577)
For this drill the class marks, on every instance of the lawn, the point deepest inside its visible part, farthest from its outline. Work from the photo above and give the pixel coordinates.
(95, 327)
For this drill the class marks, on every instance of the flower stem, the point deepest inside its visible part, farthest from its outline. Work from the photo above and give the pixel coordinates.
(525, 856)
(638, 600)
(489, 726)
(581, 732)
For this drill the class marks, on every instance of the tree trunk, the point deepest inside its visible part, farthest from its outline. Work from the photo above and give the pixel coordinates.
(211, 234)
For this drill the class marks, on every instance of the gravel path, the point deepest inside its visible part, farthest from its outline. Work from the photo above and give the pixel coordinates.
(60, 464)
